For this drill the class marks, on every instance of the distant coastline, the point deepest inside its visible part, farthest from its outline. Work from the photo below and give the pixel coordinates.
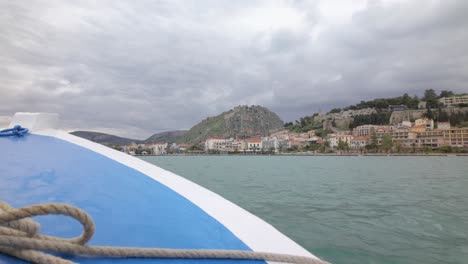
(404, 125)
(318, 154)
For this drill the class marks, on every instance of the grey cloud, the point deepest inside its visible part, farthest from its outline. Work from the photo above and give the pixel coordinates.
(140, 67)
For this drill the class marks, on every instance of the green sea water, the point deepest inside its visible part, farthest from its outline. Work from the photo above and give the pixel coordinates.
(348, 209)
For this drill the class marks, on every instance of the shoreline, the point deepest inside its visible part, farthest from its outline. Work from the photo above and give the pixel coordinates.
(318, 155)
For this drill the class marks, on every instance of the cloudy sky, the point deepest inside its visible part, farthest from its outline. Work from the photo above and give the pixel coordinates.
(137, 67)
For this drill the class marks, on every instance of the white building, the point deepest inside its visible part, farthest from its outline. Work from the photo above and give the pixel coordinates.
(367, 130)
(254, 144)
(212, 143)
(335, 138)
(158, 148)
(223, 145)
(454, 100)
(426, 122)
(363, 131)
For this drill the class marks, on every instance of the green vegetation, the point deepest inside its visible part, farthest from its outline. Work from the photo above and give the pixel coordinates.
(455, 119)
(372, 119)
(387, 143)
(240, 122)
(335, 110)
(304, 124)
(382, 117)
(449, 149)
(383, 103)
(372, 146)
(343, 145)
(431, 98)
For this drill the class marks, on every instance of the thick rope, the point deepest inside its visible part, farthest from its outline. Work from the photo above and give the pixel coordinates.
(19, 238)
(15, 131)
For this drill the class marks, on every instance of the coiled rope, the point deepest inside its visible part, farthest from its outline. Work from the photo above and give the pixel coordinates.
(19, 238)
(15, 131)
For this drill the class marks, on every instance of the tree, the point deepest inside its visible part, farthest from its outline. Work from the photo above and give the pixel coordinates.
(442, 116)
(398, 146)
(406, 100)
(429, 113)
(446, 94)
(387, 142)
(373, 142)
(431, 98)
(322, 148)
(413, 147)
(335, 110)
(372, 119)
(343, 145)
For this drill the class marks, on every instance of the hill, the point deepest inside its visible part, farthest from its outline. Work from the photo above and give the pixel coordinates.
(105, 139)
(168, 136)
(240, 122)
(379, 112)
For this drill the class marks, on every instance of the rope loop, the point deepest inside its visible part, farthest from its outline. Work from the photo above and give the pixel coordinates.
(17, 131)
(19, 238)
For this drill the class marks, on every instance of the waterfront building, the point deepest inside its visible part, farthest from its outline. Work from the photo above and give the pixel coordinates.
(454, 100)
(270, 144)
(343, 136)
(456, 137)
(223, 145)
(430, 138)
(359, 142)
(404, 137)
(159, 148)
(254, 144)
(213, 143)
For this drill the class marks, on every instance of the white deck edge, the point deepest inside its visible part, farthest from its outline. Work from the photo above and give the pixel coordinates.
(250, 229)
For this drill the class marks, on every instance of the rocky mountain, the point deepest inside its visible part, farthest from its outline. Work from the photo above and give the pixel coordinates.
(240, 122)
(105, 139)
(168, 136)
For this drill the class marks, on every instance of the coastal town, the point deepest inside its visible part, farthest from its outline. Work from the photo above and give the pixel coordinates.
(423, 134)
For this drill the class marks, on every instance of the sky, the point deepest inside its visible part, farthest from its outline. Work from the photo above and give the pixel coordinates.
(134, 68)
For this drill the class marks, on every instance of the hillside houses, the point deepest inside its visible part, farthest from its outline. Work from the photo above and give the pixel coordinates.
(275, 143)
(421, 134)
(371, 133)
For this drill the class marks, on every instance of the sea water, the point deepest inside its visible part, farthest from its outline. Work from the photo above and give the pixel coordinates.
(348, 209)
